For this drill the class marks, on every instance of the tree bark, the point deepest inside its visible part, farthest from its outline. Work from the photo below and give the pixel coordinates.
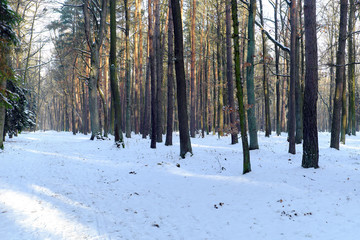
(310, 156)
(170, 79)
(265, 78)
(250, 77)
(340, 70)
(119, 140)
(185, 144)
(153, 79)
(277, 62)
(239, 88)
(293, 76)
(351, 70)
(94, 42)
(192, 70)
(159, 73)
(127, 71)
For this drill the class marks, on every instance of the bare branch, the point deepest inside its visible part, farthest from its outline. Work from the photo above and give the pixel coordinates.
(286, 49)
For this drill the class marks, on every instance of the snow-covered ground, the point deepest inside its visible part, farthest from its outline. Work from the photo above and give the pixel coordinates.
(59, 186)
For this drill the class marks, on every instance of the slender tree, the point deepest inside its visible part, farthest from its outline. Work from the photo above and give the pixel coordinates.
(351, 69)
(229, 75)
(127, 71)
(250, 77)
(239, 88)
(185, 144)
(293, 76)
(311, 145)
(170, 79)
(153, 78)
(115, 94)
(340, 71)
(277, 62)
(192, 70)
(265, 77)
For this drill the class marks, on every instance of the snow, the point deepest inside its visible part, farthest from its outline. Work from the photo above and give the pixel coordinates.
(59, 186)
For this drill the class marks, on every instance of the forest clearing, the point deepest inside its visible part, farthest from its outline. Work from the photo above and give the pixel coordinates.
(179, 119)
(59, 186)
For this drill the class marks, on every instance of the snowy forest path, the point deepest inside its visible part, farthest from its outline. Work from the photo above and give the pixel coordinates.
(59, 186)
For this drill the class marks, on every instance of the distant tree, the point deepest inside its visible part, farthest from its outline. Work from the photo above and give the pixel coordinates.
(311, 145)
(185, 144)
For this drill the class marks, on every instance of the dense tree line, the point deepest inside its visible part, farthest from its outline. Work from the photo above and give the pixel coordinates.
(240, 67)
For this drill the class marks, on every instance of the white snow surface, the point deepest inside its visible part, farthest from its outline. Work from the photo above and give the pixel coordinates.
(59, 186)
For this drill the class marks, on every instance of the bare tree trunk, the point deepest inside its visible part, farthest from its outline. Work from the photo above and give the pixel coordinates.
(293, 76)
(351, 70)
(265, 78)
(277, 57)
(94, 46)
(192, 74)
(239, 87)
(185, 144)
(113, 78)
(170, 79)
(159, 74)
(311, 145)
(127, 73)
(146, 117)
(250, 77)
(340, 70)
(153, 79)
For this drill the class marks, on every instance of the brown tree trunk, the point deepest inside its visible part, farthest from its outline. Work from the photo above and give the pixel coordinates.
(311, 146)
(229, 75)
(293, 76)
(170, 79)
(185, 144)
(340, 71)
(153, 79)
(192, 73)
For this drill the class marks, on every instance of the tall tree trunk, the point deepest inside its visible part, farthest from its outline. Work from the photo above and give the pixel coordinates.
(220, 112)
(351, 69)
(250, 77)
(170, 79)
(343, 112)
(192, 71)
(310, 156)
(153, 79)
(277, 62)
(159, 72)
(127, 73)
(113, 78)
(94, 46)
(136, 101)
(239, 88)
(147, 100)
(293, 76)
(185, 144)
(265, 78)
(340, 71)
